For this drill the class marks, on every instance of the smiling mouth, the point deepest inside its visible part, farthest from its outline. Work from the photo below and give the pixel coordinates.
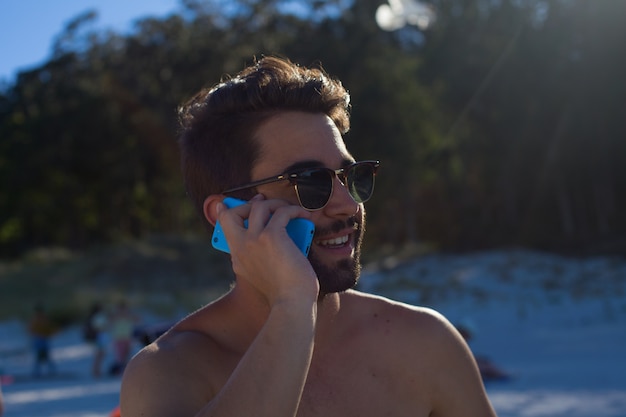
(335, 242)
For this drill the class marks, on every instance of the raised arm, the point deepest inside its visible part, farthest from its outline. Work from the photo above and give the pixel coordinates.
(179, 379)
(201, 373)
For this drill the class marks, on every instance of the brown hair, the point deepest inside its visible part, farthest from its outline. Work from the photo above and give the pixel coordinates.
(218, 124)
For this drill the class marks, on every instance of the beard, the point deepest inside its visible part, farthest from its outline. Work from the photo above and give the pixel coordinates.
(345, 273)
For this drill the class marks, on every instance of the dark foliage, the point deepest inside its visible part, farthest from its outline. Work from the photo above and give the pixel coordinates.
(502, 125)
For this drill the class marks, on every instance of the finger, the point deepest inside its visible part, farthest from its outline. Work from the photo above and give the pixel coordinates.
(282, 215)
(233, 218)
(260, 213)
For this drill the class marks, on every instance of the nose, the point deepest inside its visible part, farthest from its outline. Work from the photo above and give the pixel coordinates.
(341, 202)
(341, 176)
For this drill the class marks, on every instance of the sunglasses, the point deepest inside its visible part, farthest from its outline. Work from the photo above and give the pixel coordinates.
(314, 186)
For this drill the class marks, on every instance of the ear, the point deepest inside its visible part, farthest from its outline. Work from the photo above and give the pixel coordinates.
(209, 207)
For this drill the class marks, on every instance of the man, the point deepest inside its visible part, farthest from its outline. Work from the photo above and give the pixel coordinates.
(291, 338)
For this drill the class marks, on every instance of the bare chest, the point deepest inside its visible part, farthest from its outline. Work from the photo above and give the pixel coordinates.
(358, 389)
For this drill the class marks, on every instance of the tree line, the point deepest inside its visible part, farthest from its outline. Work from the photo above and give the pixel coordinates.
(501, 125)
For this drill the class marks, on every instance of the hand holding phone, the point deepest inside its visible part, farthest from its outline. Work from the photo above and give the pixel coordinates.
(300, 230)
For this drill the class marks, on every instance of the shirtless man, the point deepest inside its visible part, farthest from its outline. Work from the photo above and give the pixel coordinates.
(291, 338)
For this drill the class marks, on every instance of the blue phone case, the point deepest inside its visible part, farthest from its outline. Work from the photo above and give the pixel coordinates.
(300, 230)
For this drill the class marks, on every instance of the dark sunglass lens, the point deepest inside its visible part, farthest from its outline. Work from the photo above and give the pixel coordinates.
(314, 188)
(360, 181)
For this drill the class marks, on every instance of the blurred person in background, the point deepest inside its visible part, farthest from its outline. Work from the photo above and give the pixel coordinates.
(488, 370)
(121, 327)
(94, 334)
(1, 401)
(41, 330)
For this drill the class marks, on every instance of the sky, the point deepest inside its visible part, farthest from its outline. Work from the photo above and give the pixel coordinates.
(28, 27)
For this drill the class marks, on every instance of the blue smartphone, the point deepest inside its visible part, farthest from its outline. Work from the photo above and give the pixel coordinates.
(300, 230)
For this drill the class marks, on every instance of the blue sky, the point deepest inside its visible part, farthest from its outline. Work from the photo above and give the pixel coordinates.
(28, 27)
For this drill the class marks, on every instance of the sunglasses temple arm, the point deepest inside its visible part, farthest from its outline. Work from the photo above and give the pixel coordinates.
(256, 184)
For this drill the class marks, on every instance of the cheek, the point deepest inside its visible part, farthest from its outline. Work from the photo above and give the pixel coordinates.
(282, 191)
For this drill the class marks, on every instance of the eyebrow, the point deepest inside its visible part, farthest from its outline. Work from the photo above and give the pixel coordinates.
(313, 163)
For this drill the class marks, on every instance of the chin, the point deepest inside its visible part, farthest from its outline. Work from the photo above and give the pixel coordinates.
(340, 276)
(343, 274)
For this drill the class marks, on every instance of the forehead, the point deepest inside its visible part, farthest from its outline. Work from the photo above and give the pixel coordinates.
(292, 137)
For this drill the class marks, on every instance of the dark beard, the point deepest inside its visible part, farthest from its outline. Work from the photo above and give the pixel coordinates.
(345, 274)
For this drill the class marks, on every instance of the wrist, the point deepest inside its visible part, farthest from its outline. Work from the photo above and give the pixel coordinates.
(292, 309)
(300, 293)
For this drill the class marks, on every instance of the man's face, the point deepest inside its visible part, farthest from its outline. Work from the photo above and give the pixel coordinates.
(304, 140)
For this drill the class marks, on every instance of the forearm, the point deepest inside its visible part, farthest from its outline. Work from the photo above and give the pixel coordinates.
(269, 379)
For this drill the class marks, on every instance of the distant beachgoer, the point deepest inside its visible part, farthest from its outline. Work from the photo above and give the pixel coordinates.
(94, 334)
(488, 370)
(1, 402)
(41, 329)
(116, 412)
(122, 326)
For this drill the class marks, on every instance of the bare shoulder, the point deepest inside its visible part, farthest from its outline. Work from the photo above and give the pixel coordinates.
(417, 341)
(396, 316)
(402, 331)
(175, 375)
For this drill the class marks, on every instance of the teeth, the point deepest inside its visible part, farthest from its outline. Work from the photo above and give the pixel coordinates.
(334, 242)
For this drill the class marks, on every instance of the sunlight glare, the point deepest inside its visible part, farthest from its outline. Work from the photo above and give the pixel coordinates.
(398, 13)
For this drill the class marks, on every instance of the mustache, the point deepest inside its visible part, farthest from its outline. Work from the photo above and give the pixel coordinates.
(339, 225)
